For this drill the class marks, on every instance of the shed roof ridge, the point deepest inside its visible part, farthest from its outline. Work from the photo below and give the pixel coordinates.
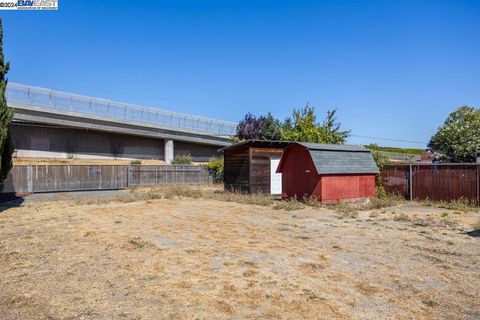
(332, 146)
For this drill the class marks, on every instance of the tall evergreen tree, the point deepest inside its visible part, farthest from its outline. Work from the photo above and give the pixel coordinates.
(6, 114)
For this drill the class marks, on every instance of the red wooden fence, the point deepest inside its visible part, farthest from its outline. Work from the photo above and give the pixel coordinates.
(435, 182)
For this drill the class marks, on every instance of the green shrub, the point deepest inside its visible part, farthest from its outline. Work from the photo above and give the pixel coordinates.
(380, 160)
(182, 160)
(136, 162)
(216, 167)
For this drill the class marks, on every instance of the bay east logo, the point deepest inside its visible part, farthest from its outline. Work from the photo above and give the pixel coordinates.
(37, 4)
(28, 4)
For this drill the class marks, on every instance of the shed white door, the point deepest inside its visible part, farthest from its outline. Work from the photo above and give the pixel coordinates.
(275, 178)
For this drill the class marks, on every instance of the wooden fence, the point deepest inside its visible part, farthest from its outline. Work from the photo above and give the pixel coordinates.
(24, 179)
(435, 182)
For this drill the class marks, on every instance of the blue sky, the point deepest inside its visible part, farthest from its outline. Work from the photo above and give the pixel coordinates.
(394, 69)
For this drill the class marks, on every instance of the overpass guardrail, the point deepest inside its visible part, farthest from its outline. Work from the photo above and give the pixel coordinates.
(24, 95)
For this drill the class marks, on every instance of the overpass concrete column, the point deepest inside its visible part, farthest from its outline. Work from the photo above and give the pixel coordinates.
(168, 153)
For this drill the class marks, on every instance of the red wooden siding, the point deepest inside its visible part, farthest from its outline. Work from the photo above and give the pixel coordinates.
(300, 179)
(299, 176)
(344, 187)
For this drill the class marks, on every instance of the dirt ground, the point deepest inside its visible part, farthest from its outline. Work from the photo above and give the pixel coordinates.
(208, 259)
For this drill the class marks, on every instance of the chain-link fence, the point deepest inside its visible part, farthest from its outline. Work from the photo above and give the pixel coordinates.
(22, 96)
(435, 182)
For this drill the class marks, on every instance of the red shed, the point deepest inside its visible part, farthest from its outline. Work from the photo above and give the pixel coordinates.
(329, 172)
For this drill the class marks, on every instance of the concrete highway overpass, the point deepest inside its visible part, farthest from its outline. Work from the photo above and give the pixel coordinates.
(53, 124)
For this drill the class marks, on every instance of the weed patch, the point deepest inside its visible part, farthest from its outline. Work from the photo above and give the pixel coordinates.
(137, 243)
(379, 203)
(402, 217)
(312, 202)
(460, 205)
(346, 210)
(289, 205)
(351, 209)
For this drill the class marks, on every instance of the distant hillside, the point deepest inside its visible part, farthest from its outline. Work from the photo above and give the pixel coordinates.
(394, 149)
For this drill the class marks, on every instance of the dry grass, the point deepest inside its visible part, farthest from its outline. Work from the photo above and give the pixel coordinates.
(191, 191)
(186, 191)
(289, 205)
(460, 205)
(352, 209)
(191, 253)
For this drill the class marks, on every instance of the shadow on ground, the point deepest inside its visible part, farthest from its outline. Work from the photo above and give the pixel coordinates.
(9, 200)
(474, 233)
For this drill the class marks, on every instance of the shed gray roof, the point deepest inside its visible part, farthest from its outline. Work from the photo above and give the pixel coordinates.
(258, 143)
(338, 159)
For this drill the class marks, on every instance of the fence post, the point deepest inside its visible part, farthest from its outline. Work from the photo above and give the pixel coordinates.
(29, 179)
(128, 176)
(101, 176)
(411, 183)
(69, 178)
(478, 185)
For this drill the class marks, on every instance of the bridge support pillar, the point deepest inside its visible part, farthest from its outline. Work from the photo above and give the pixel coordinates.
(168, 152)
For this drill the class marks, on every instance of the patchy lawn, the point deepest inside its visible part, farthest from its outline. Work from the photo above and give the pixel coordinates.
(194, 258)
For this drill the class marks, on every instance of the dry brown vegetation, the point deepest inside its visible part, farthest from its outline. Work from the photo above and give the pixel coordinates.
(190, 253)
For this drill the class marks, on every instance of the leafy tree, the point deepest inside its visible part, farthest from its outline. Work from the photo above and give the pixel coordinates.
(6, 114)
(303, 126)
(459, 136)
(331, 128)
(272, 128)
(251, 127)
